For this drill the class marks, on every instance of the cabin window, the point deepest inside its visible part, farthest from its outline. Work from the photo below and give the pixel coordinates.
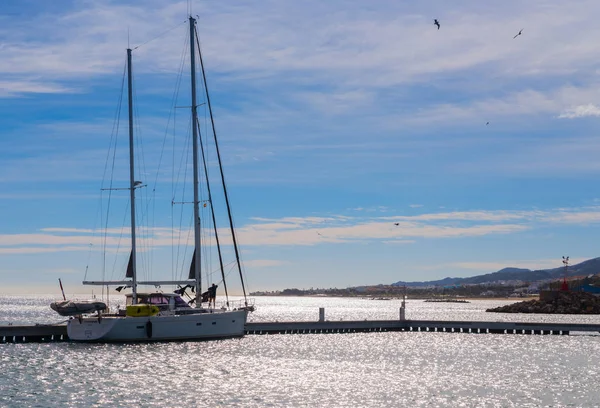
(158, 300)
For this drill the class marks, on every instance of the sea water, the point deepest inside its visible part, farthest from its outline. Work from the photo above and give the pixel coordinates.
(394, 369)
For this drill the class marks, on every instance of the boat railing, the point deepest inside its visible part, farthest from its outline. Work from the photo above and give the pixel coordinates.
(239, 304)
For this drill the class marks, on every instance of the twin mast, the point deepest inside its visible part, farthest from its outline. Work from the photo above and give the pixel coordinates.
(132, 184)
(195, 272)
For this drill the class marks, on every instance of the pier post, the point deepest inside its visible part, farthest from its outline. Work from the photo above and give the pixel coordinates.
(321, 314)
(403, 306)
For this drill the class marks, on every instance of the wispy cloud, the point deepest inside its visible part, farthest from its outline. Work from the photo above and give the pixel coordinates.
(399, 241)
(361, 41)
(310, 231)
(581, 111)
(41, 250)
(19, 87)
(343, 65)
(264, 263)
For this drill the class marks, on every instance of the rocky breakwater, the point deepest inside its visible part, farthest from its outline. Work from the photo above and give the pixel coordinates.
(557, 303)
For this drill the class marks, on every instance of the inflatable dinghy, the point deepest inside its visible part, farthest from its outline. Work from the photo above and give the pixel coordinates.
(77, 307)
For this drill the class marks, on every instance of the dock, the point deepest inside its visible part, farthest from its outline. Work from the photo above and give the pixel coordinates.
(438, 326)
(58, 332)
(38, 333)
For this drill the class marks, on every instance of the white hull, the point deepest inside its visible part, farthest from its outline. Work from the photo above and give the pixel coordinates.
(197, 326)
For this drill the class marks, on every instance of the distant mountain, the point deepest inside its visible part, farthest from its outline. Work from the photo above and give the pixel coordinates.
(589, 267)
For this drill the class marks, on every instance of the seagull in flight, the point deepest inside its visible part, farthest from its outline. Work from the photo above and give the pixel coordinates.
(437, 23)
(319, 234)
(520, 32)
(396, 224)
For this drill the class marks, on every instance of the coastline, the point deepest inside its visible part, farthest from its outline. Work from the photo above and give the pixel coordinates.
(384, 297)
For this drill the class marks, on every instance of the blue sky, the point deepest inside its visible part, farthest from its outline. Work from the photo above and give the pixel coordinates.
(336, 120)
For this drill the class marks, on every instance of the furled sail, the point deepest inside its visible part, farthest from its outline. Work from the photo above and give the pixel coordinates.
(129, 273)
(192, 274)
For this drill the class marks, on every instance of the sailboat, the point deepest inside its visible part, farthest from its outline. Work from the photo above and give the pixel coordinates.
(158, 316)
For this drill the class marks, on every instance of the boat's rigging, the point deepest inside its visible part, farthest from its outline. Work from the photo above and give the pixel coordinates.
(212, 121)
(171, 118)
(113, 138)
(108, 182)
(204, 220)
(178, 173)
(119, 241)
(160, 316)
(179, 248)
(214, 220)
(183, 164)
(145, 217)
(161, 34)
(180, 254)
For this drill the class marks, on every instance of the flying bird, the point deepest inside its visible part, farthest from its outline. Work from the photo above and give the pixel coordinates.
(487, 123)
(520, 32)
(396, 224)
(318, 233)
(437, 23)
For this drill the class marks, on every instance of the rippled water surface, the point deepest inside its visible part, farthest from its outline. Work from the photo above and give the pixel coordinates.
(400, 369)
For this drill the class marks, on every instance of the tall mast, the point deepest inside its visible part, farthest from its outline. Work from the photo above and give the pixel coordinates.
(131, 176)
(195, 161)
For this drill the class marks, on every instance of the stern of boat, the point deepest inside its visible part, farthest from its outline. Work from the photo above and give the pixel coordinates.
(90, 328)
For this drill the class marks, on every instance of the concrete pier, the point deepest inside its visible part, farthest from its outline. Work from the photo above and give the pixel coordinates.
(58, 332)
(38, 333)
(361, 326)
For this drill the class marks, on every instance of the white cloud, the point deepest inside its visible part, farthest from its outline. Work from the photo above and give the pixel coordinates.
(359, 46)
(18, 87)
(348, 64)
(521, 102)
(289, 231)
(399, 241)
(264, 263)
(581, 111)
(41, 250)
(336, 102)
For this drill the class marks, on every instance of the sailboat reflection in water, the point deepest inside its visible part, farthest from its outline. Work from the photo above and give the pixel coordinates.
(157, 316)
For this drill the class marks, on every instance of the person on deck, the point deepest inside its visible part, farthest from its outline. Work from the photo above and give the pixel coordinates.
(212, 295)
